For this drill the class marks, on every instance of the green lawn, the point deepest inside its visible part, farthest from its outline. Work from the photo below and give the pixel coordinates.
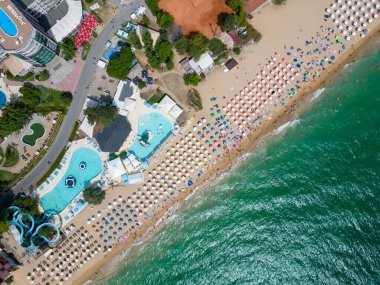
(11, 156)
(155, 98)
(6, 176)
(38, 132)
(52, 100)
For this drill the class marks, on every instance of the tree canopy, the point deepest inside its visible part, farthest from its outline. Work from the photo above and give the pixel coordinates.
(182, 45)
(68, 48)
(101, 115)
(216, 46)
(197, 44)
(192, 78)
(227, 22)
(161, 52)
(145, 20)
(134, 40)
(119, 66)
(94, 196)
(17, 113)
(153, 6)
(164, 19)
(147, 40)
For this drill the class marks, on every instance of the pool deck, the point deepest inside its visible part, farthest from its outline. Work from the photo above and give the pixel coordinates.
(24, 29)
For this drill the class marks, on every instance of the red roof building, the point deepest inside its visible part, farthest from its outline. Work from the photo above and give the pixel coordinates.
(235, 38)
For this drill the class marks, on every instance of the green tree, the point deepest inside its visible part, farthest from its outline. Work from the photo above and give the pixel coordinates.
(216, 46)
(27, 204)
(192, 78)
(145, 21)
(11, 156)
(43, 75)
(236, 50)
(147, 40)
(164, 19)
(14, 117)
(30, 96)
(134, 40)
(100, 115)
(119, 66)
(181, 45)
(163, 50)
(141, 84)
(236, 5)
(153, 6)
(68, 48)
(4, 227)
(197, 44)
(227, 22)
(94, 196)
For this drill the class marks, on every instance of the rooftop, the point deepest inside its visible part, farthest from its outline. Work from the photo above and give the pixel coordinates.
(112, 137)
(15, 28)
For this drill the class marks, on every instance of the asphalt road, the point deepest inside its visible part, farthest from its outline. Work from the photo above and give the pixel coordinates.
(79, 96)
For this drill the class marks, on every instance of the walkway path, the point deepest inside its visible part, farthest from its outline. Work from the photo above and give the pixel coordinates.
(79, 97)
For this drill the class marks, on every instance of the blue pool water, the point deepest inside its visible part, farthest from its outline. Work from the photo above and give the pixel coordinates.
(159, 126)
(111, 53)
(58, 198)
(7, 25)
(3, 99)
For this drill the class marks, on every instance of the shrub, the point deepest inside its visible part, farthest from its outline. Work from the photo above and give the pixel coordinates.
(145, 21)
(278, 2)
(26, 77)
(11, 156)
(94, 196)
(43, 76)
(195, 100)
(192, 78)
(141, 84)
(236, 50)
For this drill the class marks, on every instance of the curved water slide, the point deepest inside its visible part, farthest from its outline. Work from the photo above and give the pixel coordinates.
(29, 231)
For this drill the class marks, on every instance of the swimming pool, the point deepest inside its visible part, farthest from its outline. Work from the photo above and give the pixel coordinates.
(159, 126)
(3, 99)
(7, 25)
(58, 198)
(111, 53)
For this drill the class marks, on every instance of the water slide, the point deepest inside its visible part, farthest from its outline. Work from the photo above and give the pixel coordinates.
(31, 231)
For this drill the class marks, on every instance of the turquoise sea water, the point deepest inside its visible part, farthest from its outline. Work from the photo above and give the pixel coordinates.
(304, 209)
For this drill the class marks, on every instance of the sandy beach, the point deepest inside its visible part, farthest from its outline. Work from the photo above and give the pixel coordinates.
(295, 22)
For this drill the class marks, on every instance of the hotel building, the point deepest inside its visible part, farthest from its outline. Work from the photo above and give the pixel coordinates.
(22, 36)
